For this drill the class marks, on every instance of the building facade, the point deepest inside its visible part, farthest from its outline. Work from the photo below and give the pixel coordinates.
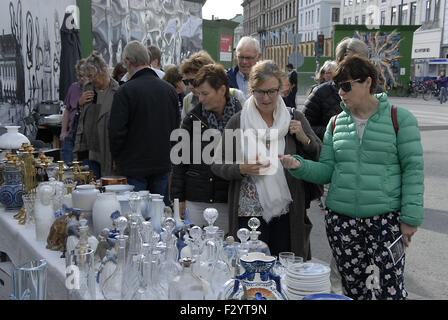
(430, 41)
(272, 22)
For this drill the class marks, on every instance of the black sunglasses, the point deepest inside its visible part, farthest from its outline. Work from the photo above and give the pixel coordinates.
(346, 86)
(187, 81)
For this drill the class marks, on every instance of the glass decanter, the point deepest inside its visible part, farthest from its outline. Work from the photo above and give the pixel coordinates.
(242, 249)
(230, 253)
(256, 245)
(170, 267)
(213, 267)
(111, 277)
(131, 275)
(187, 285)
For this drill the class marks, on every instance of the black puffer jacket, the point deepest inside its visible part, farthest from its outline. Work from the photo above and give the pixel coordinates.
(196, 182)
(322, 103)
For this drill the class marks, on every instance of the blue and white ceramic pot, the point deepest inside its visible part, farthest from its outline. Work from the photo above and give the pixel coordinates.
(11, 190)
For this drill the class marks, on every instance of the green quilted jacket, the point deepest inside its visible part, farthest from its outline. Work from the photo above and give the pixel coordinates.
(382, 173)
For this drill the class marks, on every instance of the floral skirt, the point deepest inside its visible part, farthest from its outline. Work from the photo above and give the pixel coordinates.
(359, 247)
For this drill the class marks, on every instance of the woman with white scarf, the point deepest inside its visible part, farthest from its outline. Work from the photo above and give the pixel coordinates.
(259, 186)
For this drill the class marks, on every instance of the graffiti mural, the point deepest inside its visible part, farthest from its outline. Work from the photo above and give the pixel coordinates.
(384, 52)
(175, 26)
(29, 58)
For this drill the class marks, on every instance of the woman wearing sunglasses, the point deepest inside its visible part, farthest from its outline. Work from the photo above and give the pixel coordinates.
(376, 190)
(259, 186)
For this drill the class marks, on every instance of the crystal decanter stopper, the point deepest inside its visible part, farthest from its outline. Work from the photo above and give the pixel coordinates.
(256, 245)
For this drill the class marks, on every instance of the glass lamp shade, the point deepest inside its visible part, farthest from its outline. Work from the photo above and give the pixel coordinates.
(12, 139)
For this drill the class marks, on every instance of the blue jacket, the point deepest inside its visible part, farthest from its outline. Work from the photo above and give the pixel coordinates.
(231, 74)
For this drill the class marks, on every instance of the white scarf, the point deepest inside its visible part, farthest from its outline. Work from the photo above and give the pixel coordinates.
(272, 186)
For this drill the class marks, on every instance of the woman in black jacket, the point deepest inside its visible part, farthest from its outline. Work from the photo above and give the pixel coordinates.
(193, 182)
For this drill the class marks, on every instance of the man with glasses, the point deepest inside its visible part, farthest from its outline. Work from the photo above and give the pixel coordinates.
(248, 53)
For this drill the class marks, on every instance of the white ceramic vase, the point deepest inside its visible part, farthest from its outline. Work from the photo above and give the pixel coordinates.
(12, 139)
(105, 204)
(84, 196)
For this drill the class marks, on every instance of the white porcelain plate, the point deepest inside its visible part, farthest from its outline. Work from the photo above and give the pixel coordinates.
(308, 269)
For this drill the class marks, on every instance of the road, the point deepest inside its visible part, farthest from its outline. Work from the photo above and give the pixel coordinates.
(426, 276)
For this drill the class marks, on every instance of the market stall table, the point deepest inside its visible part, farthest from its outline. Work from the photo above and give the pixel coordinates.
(18, 242)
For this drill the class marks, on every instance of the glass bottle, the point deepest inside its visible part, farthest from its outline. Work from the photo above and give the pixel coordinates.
(111, 286)
(170, 267)
(256, 245)
(187, 285)
(230, 253)
(131, 274)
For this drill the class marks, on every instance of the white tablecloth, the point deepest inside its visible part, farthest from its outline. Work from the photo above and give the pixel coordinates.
(19, 243)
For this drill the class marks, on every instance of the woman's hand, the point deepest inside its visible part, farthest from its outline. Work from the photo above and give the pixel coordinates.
(253, 169)
(86, 97)
(407, 231)
(289, 162)
(295, 128)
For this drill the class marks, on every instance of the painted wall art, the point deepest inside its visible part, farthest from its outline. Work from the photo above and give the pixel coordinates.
(175, 26)
(30, 46)
(384, 52)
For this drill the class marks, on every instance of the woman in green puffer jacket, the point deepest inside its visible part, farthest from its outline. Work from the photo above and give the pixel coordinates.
(376, 190)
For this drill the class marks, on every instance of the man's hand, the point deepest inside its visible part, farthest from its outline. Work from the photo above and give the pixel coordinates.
(182, 210)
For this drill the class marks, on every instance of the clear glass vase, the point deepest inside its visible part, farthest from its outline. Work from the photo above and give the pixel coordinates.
(30, 281)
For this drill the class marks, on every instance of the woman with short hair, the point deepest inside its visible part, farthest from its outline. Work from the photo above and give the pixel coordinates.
(259, 186)
(375, 166)
(92, 137)
(194, 184)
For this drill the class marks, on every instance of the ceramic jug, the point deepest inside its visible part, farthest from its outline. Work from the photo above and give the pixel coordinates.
(257, 282)
(105, 204)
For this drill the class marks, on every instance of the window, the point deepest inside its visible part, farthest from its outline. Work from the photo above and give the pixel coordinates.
(356, 20)
(349, 20)
(393, 15)
(358, 1)
(383, 17)
(363, 19)
(428, 11)
(345, 20)
(335, 15)
(404, 14)
(436, 10)
(412, 13)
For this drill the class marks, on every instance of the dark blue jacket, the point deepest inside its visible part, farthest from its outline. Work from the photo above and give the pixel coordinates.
(231, 74)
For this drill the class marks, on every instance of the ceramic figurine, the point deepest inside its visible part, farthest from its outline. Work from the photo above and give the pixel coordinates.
(58, 234)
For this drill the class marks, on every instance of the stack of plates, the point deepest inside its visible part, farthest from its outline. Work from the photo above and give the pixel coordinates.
(304, 279)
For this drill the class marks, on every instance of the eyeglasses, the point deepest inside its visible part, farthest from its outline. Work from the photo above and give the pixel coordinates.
(271, 93)
(346, 86)
(188, 81)
(246, 58)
